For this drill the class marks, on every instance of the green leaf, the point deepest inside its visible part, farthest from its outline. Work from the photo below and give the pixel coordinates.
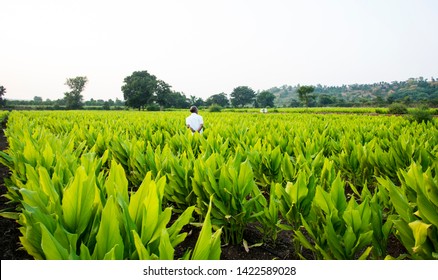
(303, 240)
(349, 241)
(46, 185)
(108, 236)
(207, 245)
(116, 183)
(364, 239)
(245, 179)
(177, 226)
(399, 200)
(84, 252)
(30, 154)
(136, 203)
(78, 201)
(143, 253)
(334, 241)
(323, 200)
(163, 220)
(337, 194)
(419, 230)
(428, 211)
(152, 209)
(366, 253)
(52, 249)
(299, 190)
(215, 248)
(48, 156)
(405, 233)
(165, 248)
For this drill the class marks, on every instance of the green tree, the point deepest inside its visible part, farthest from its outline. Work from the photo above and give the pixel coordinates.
(265, 99)
(163, 94)
(178, 100)
(242, 96)
(325, 100)
(390, 99)
(304, 94)
(2, 93)
(142, 89)
(37, 100)
(106, 105)
(220, 99)
(73, 98)
(138, 90)
(118, 102)
(196, 101)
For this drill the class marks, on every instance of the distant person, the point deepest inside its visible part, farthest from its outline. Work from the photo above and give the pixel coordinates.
(195, 122)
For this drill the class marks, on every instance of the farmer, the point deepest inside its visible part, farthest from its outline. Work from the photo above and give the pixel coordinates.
(195, 122)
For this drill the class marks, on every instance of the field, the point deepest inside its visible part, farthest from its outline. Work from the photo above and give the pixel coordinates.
(287, 185)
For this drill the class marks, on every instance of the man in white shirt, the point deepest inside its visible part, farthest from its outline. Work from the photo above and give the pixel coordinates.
(195, 122)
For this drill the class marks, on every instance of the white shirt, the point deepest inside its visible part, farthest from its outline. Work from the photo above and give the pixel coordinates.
(195, 121)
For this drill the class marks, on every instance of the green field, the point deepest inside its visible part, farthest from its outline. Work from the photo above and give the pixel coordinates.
(123, 185)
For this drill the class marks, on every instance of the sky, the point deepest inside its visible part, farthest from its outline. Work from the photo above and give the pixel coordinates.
(203, 47)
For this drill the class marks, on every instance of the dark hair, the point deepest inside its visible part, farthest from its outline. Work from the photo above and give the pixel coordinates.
(193, 109)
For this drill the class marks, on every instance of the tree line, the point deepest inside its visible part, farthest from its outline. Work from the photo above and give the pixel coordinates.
(144, 91)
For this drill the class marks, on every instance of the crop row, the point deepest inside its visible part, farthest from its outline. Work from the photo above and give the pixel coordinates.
(123, 185)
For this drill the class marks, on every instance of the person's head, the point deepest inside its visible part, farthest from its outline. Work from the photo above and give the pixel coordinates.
(194, 109)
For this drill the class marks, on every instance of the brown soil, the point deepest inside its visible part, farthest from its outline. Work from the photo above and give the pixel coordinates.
(281, 250)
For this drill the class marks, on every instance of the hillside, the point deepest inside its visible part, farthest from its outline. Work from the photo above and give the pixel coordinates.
(410, 92)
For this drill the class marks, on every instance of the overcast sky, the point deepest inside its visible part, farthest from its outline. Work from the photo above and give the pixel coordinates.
(203, 47)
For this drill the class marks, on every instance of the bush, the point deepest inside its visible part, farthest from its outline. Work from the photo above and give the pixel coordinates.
(420, 115)
(380, 111)
(215, 108)
(153, 107)
(397, 108)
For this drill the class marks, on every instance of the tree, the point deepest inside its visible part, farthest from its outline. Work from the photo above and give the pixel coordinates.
(142, 89)
(118, 102)
(163, 94)
(242, 96)
(195, 101)
(220, 99)
(178, 100)
(325, 100)
(138, 90)
(304, 94)
(73, 99)
(265, 99)
(2, 93)
(106, 105)
(37, 99)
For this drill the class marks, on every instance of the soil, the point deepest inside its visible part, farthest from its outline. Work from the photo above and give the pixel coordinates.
(283, 249)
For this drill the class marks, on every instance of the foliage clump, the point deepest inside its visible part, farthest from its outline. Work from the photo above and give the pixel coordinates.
(215, 108)
(421, 114)
(153, 107)
(397, 108)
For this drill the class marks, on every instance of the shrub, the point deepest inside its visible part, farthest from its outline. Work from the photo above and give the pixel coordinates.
(380, 111)
(153, 107)
(397, 108)
(421, 114)
(215, 108)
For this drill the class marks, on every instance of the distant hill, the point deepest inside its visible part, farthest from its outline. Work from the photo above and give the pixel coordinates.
(410, 92)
